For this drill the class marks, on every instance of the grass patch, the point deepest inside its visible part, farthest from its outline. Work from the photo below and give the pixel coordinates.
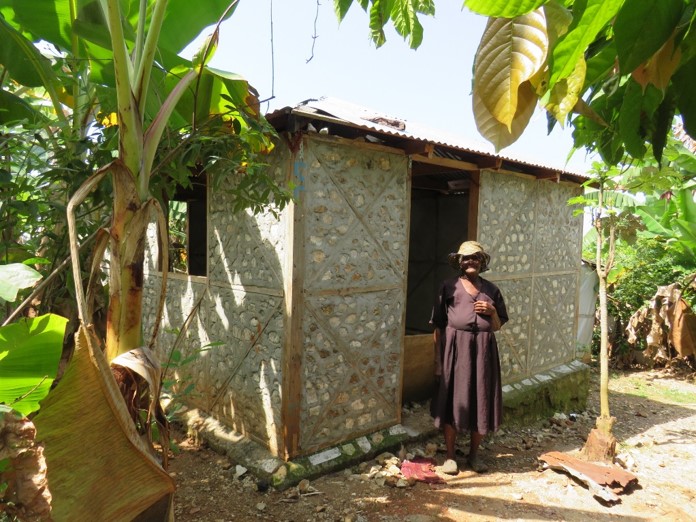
(661, 391)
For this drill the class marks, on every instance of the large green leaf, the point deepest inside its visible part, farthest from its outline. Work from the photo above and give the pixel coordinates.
(636, 110)
(684, 91)
(341, 7)
(406, 23)
(590, 17)
(185, 20)
(47, 20)
(600, 63)
(20, 57)
(685, 205)
(14, 109)
(653, 225)
(379, 16)
(510, 53)
(642, 27)
(29, 354)
(503, 8)
(15, 277)
(214, 93)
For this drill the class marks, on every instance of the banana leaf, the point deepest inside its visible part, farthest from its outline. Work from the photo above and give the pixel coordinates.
(29, 355)
(88, 436)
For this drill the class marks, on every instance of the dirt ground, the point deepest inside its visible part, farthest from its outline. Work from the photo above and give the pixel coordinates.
(655, 429)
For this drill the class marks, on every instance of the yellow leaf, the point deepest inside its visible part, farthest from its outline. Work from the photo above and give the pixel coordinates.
(98, 466)
(510, 53)
(566, 92)
(540, 81)
(498, 133)
(659, 68)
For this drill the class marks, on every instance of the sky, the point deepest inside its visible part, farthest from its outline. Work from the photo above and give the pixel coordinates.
(293, 50)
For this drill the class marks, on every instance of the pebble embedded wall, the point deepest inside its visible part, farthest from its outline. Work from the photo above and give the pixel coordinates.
(535, 244)
(241, 317)
(355, 204)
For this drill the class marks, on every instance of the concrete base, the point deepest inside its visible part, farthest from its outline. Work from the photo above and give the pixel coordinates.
(561, 389)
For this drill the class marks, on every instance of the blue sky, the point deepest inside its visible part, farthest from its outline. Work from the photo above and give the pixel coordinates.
(430, 86)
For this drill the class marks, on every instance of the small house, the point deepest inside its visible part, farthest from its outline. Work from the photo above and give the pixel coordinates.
(311, 327)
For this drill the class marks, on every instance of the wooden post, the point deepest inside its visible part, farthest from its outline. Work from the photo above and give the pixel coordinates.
(294, 306)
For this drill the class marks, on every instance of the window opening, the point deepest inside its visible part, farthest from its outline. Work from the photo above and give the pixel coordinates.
(188, 231)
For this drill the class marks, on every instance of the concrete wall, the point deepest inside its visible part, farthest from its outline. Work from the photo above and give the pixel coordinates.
(354, 229)
(241, 313)
(535, 245)
(308, 308)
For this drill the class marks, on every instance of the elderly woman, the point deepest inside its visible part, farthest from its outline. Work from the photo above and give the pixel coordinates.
(467, 311)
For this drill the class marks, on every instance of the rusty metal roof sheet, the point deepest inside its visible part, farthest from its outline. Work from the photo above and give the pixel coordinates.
(371, 120)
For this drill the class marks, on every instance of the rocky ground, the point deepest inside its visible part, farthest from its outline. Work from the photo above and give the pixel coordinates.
(655, 427)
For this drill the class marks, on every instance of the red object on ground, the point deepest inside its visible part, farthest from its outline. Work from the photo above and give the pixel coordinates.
(421, 469)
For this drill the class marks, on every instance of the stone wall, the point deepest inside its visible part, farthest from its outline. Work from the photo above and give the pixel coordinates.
(535, 245)
(235, 341)
(355, 227)
(343, 247)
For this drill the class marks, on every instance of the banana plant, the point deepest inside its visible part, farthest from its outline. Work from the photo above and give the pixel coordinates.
(672, 218)
(30, 351)
(121, 68)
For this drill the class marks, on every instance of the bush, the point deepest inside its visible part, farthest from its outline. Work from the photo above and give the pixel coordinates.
(640, 269)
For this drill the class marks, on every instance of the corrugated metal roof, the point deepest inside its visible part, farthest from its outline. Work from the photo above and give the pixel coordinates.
(371, 120)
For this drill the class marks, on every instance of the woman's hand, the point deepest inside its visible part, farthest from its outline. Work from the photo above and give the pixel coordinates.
(484, 308)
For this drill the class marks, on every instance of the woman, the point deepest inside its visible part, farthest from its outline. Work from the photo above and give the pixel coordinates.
(467, 311)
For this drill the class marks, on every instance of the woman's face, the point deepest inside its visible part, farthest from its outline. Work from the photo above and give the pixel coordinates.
(470, 265)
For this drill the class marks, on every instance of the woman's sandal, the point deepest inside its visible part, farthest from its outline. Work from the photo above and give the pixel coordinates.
(477, 465)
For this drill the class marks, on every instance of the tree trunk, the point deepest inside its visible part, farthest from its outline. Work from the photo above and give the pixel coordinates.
(124, 315)
(601, 444)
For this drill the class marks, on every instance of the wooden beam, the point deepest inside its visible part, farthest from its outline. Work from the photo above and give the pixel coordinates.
(420, 148)
(554, 175)
(445, 162)
(489, 162)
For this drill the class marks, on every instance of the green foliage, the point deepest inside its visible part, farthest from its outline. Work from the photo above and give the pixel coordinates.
(640, 58)
(672, 219)
(177, 385)
(29, 355)
(14, 277)
(402, 13)
(42, 166)
(61, 122)
(641, 268)
(502, 8)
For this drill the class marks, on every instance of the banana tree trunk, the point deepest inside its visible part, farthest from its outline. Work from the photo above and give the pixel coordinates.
(124, 315)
